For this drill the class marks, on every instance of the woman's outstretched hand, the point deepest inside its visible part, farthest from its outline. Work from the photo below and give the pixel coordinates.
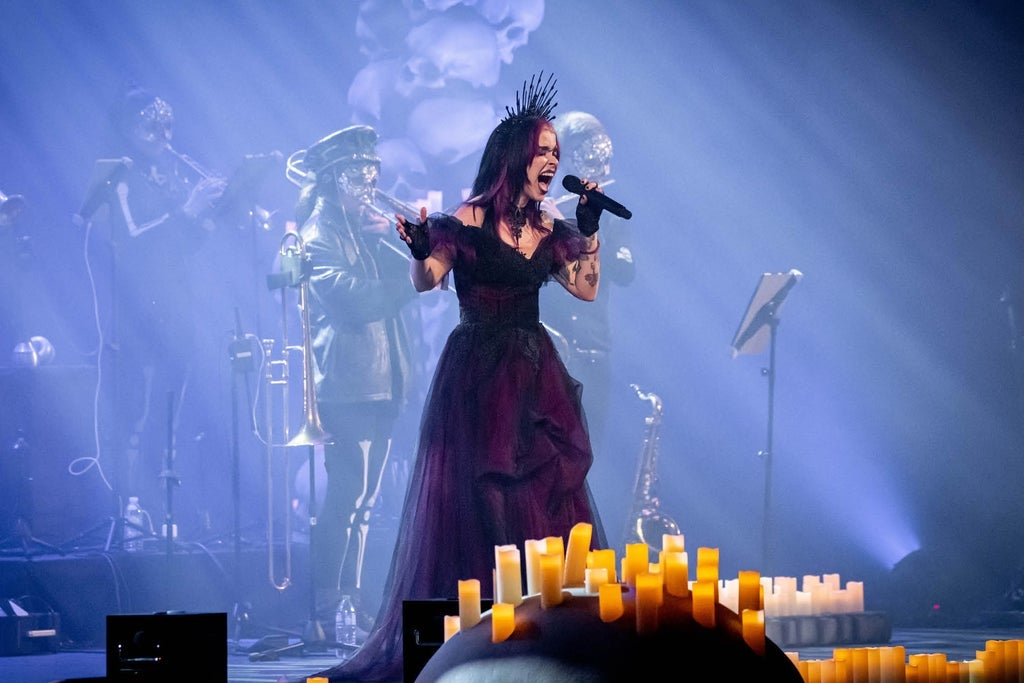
(416, 235)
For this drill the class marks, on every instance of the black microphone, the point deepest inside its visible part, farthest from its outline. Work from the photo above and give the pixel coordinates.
(599, 199)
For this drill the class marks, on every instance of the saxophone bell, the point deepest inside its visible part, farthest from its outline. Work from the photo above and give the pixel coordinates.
(647, 523)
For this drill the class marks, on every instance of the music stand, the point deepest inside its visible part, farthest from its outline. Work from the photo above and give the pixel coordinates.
(245, 182)
(758, 328)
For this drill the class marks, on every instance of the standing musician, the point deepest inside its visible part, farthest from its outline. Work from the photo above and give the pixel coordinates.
(157, 208)
(358, 287)
(586, 329)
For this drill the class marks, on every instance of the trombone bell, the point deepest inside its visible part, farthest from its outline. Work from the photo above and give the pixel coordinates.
(10, 207)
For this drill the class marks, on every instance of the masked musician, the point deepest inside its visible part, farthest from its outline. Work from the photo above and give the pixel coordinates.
(586, 330)
(153, 209)
(358, 287)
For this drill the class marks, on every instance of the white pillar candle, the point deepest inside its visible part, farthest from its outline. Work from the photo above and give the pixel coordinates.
(534, 548)
(594, 578)
(509, 582)
(672, 543)
(451, 626)
(469, 603)
(856, 597)
(604, 557)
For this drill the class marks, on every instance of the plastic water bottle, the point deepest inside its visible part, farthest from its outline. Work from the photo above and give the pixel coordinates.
(133, 525)
(345, 626)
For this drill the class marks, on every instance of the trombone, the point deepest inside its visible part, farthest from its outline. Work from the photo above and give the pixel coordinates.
(295, 267)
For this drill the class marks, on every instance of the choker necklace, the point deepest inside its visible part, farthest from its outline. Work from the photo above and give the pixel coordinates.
(516, 222)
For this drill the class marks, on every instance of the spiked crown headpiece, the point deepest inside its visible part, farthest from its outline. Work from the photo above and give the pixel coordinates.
(535, 100)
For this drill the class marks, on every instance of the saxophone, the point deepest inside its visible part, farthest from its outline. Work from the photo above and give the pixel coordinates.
(646, 523)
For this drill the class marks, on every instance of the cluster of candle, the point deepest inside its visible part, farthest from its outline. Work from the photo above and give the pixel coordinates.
(1001, 661)
(818, 595)
(552, 566)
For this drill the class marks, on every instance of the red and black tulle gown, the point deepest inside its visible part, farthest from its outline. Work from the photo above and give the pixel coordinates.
(504, 451)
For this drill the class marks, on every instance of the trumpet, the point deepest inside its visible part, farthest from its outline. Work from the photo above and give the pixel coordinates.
(196, 167)
(396, 205)
(295, 259)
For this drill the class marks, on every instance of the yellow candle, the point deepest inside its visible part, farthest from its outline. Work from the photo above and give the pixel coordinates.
(554, 544)
(753, 629)
(509, 583)
(576, 554)
(316, 679)
(704, 602)
(707, 567)
(594, 577)
(451, 626)
(637, 556)
(894, 664)
(609, 600)
(469, 603)
(534, 548)
(648, 597)
(502, 621)
(828, 671)
(550, 579)
(676, 573)
(749, 591)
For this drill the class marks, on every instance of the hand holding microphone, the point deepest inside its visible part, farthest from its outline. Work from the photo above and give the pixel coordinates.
(596, 199)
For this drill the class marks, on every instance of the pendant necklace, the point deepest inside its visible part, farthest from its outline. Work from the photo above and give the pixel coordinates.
(516, 222)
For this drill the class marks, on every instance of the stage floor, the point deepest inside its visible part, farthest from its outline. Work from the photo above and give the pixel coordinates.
(956, 644)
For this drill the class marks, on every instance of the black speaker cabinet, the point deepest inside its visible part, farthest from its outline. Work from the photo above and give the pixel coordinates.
(423, 631)
(167, 647)
(23, 632)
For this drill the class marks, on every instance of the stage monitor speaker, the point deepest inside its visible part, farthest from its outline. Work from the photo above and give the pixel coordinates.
(423, 631)
(167, 647)
(24, 632)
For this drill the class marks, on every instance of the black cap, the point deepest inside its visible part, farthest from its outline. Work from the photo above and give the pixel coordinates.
(352, 144)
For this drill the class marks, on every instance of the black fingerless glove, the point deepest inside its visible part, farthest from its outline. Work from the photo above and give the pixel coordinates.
(420, 236)
(586, 218)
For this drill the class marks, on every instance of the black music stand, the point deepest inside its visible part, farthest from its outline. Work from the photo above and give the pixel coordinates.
(758, 328)
(244, 184)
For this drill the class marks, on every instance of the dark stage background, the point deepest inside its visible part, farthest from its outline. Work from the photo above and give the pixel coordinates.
(874, 146)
